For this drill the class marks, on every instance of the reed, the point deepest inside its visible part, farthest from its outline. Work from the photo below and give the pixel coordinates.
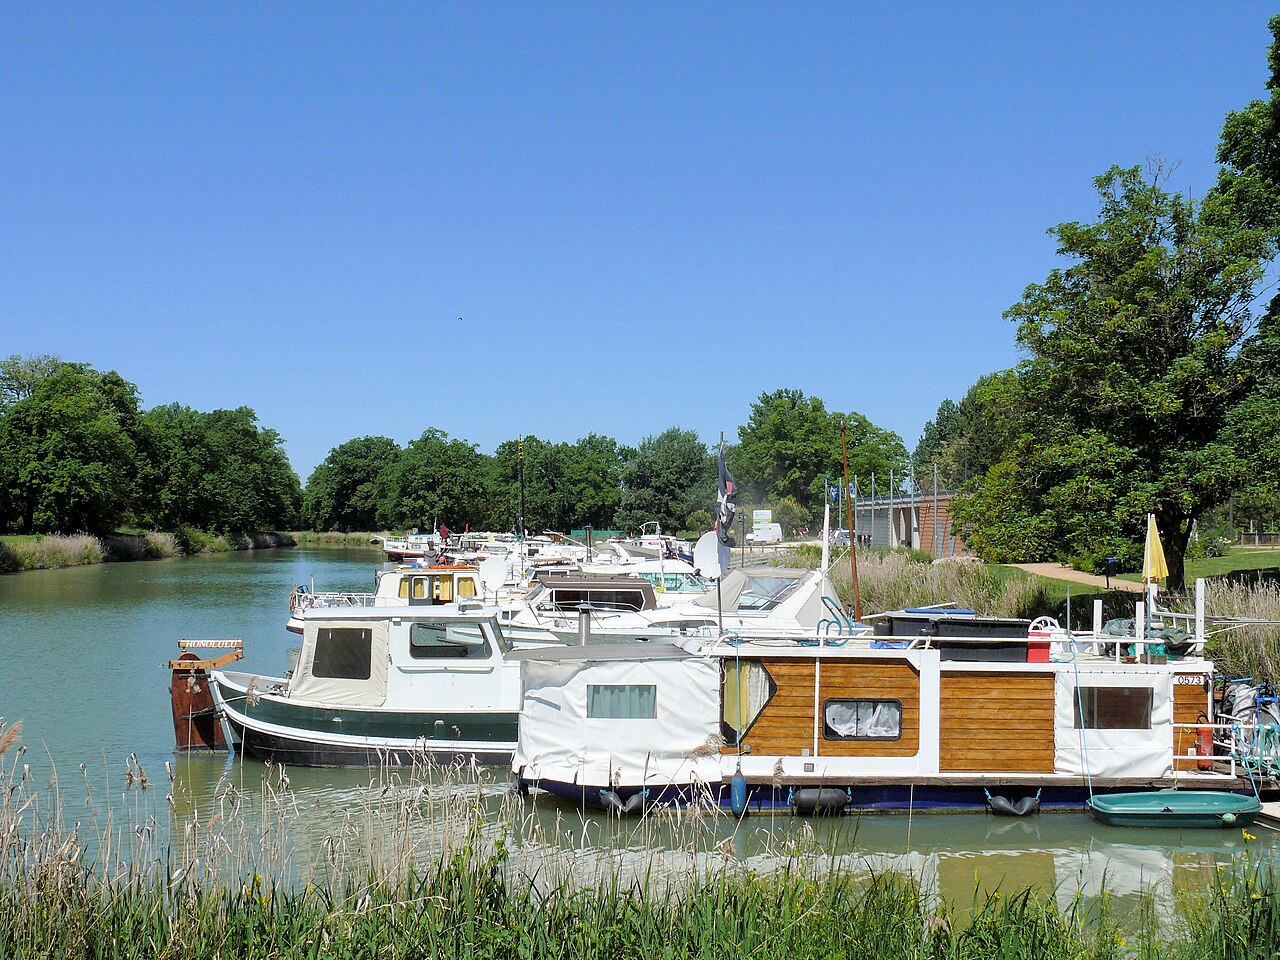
(893, 580)
(431, 862)
(1247, 651)
(56, 550)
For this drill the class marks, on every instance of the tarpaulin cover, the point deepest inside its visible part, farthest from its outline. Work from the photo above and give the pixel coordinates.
(679, 744)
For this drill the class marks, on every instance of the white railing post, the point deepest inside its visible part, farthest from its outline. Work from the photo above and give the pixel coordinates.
(1139, 629)
(1200, 604)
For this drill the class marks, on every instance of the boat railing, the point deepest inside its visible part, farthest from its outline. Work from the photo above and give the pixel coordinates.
(306, 599)
(1225, 751)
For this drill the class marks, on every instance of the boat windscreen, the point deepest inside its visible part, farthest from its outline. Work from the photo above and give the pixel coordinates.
(765, 593)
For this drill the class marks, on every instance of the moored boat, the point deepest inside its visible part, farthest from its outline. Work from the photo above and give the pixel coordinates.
(1176, 808)
(378, 685)
(939, 709)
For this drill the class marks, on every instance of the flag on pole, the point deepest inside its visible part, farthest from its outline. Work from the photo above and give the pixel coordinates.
(726, 503)
(1153, 566)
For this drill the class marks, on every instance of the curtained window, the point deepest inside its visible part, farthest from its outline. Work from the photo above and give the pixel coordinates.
(862, 720)
(622, 701)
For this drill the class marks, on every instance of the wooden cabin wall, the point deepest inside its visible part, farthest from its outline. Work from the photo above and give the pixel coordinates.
(1190, 700)
(785, 726)
(873, 680)
(996, 722)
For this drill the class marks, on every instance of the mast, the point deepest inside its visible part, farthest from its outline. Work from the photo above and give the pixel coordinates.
(853, 552)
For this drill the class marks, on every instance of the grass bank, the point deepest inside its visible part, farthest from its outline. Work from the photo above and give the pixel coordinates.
(55, 551)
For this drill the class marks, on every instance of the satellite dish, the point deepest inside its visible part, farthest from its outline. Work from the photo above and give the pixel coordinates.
(493, 574)
(706, 556)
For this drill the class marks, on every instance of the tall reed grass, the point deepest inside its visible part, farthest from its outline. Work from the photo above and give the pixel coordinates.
(894, 580)
(417, 866)
(1246, 650)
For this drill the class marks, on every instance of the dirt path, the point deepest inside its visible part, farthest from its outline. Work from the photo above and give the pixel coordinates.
(1060, 571)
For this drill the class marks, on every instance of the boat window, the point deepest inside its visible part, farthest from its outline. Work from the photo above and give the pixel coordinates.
(466, 587)
(862, 720)
(448, 641)
(614, 599)
(1114, 708)
(343, 653)
(404, 588)
(765, 593)
(622, 701)
(748, 688)
(419, 588)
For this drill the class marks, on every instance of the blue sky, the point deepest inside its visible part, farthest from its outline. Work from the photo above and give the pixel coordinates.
(555, 219)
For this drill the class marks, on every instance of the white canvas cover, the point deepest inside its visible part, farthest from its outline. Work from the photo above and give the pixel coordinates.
(1113, 753)
(680, 744)
(342, 692)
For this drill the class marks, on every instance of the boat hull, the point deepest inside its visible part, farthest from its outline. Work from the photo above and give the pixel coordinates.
(273, 728)
(1174, 809)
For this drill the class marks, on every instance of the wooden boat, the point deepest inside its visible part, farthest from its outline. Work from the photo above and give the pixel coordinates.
(1176, 808)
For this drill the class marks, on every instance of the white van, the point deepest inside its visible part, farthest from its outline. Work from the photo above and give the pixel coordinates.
(768, 533)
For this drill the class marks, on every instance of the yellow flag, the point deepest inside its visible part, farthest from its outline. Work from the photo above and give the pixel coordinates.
(1153, 566)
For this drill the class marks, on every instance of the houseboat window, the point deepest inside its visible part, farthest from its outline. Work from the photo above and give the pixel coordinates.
(404, 588)
(1114, 708)
(862, 720)
(343, 653)
(466, 587)
(622, 701)
(748, 688)
(448, 641)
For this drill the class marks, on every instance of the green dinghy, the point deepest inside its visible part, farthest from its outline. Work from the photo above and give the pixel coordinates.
(1176, 808)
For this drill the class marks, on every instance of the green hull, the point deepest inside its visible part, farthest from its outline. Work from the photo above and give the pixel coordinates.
(1196, 809)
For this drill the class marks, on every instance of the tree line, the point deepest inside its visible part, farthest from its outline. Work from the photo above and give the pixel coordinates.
(788, 444)
(79, 453)
(1151, 374)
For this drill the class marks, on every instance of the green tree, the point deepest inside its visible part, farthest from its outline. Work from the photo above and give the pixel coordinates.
(935, 436)
(1137, 362)
(790, 515)
(68, 451)
(220, 471)
(19, 376)
(434, 480)
(666, 478)
(341, 493)
(791, 442)
(966, 439)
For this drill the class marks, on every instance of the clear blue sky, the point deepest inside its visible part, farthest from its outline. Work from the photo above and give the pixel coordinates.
(645, 214)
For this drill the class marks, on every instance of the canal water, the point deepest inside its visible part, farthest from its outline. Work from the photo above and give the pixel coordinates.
(82, 665)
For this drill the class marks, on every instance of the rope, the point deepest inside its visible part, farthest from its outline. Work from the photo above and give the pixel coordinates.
(1084, 746)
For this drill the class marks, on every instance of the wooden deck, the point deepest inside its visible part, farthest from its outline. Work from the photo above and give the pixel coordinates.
(1270, 816)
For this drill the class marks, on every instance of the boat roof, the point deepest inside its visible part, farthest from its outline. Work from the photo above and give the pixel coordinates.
(603, 651)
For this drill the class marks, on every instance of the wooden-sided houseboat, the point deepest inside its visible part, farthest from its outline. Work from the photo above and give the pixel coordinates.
(936, 710)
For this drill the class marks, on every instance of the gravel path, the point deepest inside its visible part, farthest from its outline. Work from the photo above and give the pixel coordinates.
(1060, 571)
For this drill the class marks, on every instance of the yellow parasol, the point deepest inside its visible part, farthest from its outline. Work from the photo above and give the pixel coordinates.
(1153, 566)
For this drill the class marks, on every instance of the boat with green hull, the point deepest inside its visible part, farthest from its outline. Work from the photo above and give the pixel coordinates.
(1197, 809)
(381, 685)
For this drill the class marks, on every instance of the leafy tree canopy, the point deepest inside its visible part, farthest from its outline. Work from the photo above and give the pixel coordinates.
(220, 471)
(341, 493)
(666, 478)
(791, 442)
(68, 449)
(434, 480)
(1138, 359)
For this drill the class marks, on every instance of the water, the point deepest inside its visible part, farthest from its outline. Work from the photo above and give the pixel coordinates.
(82, 664)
